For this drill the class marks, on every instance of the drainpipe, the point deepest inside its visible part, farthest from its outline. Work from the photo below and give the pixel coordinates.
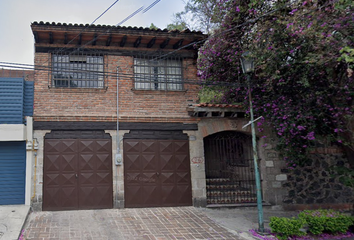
(118, 157)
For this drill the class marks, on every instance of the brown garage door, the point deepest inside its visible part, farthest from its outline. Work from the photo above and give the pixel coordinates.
(77, 174)
(157, 173)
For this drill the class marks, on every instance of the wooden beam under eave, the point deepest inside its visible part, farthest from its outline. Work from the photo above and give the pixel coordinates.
(192, 44)
(94, 40)
(151, 43)
(137, 42)
(65, 38)
(51, 38)
(36, 38)
(123, 41)
(178, 44)
(165, 43)
(80, 39)
(109, 40)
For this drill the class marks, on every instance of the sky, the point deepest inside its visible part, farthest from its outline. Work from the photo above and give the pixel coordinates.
(16, 16)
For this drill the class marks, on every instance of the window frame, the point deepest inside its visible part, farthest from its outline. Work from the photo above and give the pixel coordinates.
(154, 74)
(77, 71)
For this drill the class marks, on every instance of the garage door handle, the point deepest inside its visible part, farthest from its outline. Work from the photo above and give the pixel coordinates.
(158, 174)
(76, 175)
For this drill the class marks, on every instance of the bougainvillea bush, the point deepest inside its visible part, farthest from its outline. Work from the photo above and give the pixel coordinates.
(304, 60)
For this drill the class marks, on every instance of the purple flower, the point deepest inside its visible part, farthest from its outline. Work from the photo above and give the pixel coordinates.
(293, 11)
(301, 127)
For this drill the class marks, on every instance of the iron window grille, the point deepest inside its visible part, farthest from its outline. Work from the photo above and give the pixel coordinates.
(77, 71)
(158, 74)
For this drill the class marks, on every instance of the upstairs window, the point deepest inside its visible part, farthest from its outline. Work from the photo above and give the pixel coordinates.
(77, 71)
(152, 74)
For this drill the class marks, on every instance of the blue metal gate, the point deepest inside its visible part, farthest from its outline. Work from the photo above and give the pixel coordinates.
(12, 172)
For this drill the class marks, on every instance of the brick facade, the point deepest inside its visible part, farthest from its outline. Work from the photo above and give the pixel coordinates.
(63, 104)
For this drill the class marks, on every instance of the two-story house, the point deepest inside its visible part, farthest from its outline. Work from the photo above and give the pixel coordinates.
(118, 122)
(91, 81)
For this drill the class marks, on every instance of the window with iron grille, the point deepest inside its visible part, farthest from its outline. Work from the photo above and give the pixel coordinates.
(151, 74)
(77, 71)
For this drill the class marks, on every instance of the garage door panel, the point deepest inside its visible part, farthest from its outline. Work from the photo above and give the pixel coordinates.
(52, 179)
(132, 178)
(182, 163)
(155, 180)
(133, 196)
(69, 198)
(85, 176)
(167, 162)
(148, 178)
(67, 163)
(167, 178)
(150, 195)
(147, 163)
(181, 147)
(87, 162)
(103, 178)
(103, 146)
(53, 145)
(52, 163)
(132, 146)
(182, 178)
(166, 147)
(148, 146)
(69, 146)
(132, 161)
(104, 162)
(52, 198)
(86, 145)
(183, 195)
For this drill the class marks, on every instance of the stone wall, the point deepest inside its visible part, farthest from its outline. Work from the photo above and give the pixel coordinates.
(317, 182)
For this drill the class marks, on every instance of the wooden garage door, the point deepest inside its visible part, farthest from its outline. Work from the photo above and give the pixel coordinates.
(77, 174)
(157, 173)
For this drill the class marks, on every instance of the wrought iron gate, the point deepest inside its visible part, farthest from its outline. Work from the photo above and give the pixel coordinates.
(229, 168)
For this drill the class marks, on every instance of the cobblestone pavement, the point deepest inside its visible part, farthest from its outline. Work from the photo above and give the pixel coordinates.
(144, 223)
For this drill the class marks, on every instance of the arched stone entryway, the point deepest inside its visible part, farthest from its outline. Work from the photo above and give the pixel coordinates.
(229, 168)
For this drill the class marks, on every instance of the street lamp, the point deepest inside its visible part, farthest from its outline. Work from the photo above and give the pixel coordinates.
(247, 64)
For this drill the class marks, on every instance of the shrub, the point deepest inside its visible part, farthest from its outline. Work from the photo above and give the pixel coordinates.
(286, 227)
(328, 221)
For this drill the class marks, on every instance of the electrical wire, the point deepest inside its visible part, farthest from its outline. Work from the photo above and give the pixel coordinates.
(60, 50)
(151, 6)
(133, 77)
(238, 26)
(120, 23)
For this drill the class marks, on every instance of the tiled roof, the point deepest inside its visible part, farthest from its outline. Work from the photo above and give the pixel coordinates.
(41, 23)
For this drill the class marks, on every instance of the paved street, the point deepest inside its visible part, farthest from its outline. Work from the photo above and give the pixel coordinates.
(144, 223)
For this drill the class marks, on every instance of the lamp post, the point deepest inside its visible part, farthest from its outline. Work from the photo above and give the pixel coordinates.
(247, 64)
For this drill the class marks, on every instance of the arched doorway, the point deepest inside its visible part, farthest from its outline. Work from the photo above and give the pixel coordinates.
(229, 168)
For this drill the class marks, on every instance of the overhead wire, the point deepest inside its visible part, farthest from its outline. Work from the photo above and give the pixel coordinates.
(60, 50)
(142, 8)
(132, 76)
(38, 67)
(254, 20)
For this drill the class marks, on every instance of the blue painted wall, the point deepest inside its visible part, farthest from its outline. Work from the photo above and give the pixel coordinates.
(16, 100)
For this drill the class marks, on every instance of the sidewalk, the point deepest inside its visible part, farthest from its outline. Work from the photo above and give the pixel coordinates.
(139, 223)
(242, 219)
(12, 219)
(125, 224)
